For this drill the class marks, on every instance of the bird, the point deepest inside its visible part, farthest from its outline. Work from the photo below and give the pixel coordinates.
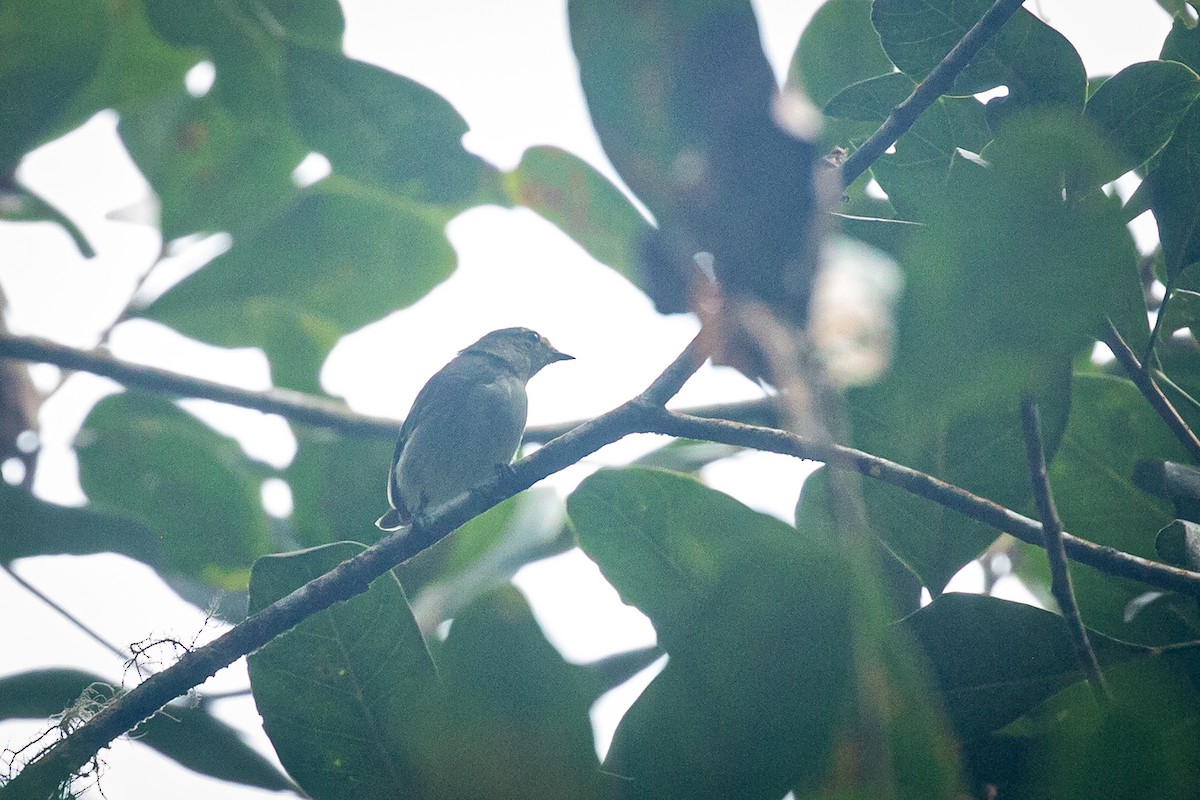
(465, 424)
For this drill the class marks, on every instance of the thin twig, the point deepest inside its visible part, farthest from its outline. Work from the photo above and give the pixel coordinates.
(67, 615)
(1104, 559)
(1156, 331)
(294, 406)
(1150, 390)
(1052, 529)
(937, 83)
(55, 765)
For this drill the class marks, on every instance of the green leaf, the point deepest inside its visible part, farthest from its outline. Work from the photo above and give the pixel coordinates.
(187, 734)
(211, 169)
(747, 608)
(135, 67)
(145, 458)
(1037, 64)
(381, 128)
(520, 712)
(1143, 745)
(819, 66)
(995, 660)
(1179, 544)
(349, 697)
(357, 466)
(1182, 43)
(567, 191)
(1138, 109)
(48, 50)
(925, 159)
(343, 255)
(1175, 198)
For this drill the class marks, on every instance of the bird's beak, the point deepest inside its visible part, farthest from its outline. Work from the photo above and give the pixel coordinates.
(557, 356)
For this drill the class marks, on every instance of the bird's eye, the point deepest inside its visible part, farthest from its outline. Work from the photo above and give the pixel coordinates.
(533, 336)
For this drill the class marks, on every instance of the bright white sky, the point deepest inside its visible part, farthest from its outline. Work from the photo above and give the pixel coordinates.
(508, 69)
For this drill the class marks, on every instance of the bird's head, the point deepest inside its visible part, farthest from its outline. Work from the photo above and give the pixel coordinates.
(522, 349)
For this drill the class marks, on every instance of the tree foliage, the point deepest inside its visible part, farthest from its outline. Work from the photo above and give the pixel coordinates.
(790, 665)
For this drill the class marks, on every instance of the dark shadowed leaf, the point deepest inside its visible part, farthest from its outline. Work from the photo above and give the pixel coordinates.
(837, 48)
(1179, 544)
(995, 660)
(1175, 199)
(145, 458)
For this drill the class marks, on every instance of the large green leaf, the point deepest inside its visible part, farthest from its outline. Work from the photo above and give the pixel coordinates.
(48, 50)
(379, 127)
(995, 660)
(341, 256)
(350, 696)
(1037, 64)
(1138, 109)
(1182, 44)
(567, 191)
(748, 609)
(186, 733)
(520, 713)
(837, 48)
(147, 459)
(212, 169)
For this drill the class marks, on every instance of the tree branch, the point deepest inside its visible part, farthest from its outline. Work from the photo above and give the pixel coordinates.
(1052, 529)
(294, 406)
(54, 766)
(937, 83)
(1099, 557)
(1150, 390)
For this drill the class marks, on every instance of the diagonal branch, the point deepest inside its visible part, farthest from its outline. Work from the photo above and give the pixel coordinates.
(1052, 528)
(54, 766)
(936, 84)
(1149, 389)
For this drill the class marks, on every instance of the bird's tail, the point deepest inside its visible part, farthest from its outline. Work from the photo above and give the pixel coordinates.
(391, 521)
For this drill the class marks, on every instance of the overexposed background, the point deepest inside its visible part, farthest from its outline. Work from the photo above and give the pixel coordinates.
(509, 70)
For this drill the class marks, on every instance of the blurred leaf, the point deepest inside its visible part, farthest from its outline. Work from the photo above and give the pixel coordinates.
(144, 457)
(1145, 745)
(1179, 543)
(341, 256)
(1175, 199)
(135, 67)
(211, 169)
(1037, 64)
(820, 65)
(349, 697)
(995, 660)
(48, 50)
(379, 127)
(520, 712)
(189, 735)
(568, 192)
(1138, 109)
(746, 608)
(984, 318)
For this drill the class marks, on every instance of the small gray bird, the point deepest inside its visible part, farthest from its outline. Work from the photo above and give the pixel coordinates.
(466, 423)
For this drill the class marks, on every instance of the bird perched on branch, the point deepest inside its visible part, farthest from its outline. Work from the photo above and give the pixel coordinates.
(465, 424)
